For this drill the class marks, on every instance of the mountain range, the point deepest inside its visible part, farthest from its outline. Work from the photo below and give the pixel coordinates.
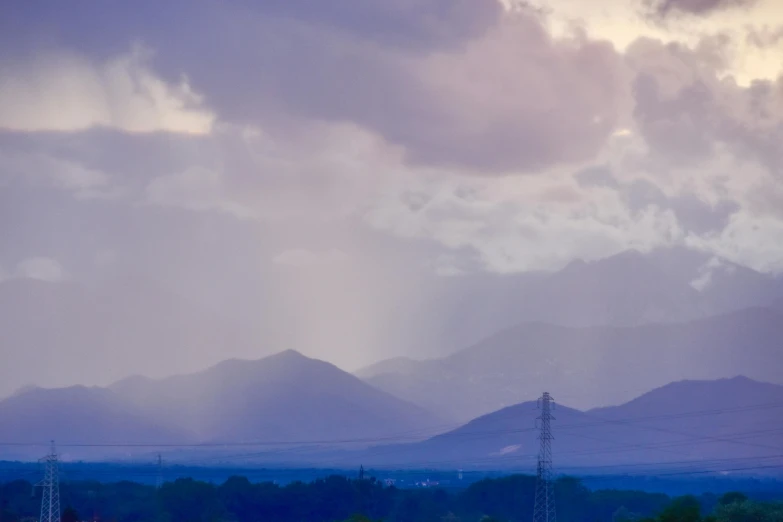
(281, 400)
(632, 288)
(106, 324)
(721, 424)
(290, 410)
(580, 362)
(595, 334)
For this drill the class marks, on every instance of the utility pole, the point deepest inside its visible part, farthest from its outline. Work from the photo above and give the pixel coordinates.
(361, 472)
(544, 510)
(159, 480)
(50, 485)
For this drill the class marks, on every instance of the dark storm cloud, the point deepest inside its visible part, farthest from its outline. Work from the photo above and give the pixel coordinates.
(432, 76)
(93, 25)
(666, 8)
(404, 23)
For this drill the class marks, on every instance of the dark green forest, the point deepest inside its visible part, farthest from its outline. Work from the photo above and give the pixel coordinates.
(338, 498)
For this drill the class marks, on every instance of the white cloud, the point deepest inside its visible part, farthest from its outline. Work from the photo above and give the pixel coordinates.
(65, 91)
(196, 188)
(446, 265)
(748, 240)
(704, 278)
(49, 171)
(42, 269)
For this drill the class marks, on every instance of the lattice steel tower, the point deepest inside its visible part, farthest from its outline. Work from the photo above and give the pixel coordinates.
(159, 479)
(544, 510)
(50, 485)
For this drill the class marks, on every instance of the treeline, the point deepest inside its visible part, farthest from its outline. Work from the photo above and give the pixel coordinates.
(336, 498)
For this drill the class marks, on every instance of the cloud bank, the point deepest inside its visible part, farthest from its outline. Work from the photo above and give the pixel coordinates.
(324, 160)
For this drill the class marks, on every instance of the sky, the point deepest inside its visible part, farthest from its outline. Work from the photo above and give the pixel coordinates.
(331, 159)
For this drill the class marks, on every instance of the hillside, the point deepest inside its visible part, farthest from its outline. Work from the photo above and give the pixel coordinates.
(284, 397)
(669, 285)
(78, 415)
(282, 400)
(716, 423)
(576, 363)
(106, 323)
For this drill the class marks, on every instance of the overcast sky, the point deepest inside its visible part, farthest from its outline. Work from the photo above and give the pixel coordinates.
(333, 154)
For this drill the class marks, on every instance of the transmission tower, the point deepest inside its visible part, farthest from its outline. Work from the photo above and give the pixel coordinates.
(544, 510)
(50, 485)
(159, 480)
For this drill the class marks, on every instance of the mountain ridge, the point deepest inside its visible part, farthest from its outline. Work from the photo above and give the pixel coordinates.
(517, 361)
(646, 433)
(283, 397)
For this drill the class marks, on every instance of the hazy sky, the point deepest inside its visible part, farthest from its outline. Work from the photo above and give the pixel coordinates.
(330, 156)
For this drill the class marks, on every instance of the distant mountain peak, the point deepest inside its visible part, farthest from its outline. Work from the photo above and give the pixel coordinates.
(290, 353)
(575, 264)
(694, 394)
(29, 388)
(130, 382)
(737, 379)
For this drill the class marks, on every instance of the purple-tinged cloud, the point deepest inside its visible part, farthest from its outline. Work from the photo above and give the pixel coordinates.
(668, 8)
(433, 77)
(684, 108)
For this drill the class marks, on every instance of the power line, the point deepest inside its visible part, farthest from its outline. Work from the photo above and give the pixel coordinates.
(414, 434)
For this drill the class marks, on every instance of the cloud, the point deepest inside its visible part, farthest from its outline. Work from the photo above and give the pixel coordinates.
(449, 265)
(197, 189)
(558, 103)
(300, 257)
(429, 76)
(596, 177)
(404, 23)
(752, 241)
(764, 37)
(706, 271)
(45, 170)
(685, 108)
(42, 269)
(456, 106)
(667, 8)
(404, 117)
(506, 225)
(62, 91)
(693, 214)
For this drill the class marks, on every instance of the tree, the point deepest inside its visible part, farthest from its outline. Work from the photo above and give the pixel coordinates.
(732, 498)
(747, 511)
(70, 515)
(191, 500)
(682, 509)
(623, 515)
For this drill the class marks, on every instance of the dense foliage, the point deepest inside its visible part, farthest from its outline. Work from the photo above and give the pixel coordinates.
(338, 498)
